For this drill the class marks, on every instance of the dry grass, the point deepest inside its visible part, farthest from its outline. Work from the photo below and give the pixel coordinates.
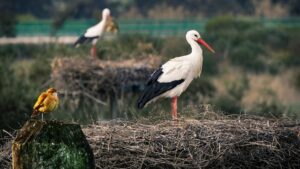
(5, 150)
(263, 87)
(241, 142)
(266, 87)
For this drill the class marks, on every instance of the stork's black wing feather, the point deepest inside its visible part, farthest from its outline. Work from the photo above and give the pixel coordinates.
(82, 39)
(154, 76)
(154, 88)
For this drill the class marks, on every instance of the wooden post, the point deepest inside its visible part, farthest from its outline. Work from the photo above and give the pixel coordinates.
(113, 103)
(51, 144)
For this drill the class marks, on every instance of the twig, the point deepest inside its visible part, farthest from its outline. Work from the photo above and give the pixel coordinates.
(8, 133)
(143, 159)
(95, 99)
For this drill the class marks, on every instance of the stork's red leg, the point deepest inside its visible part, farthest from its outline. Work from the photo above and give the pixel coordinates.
(174, 108)
(93, 52)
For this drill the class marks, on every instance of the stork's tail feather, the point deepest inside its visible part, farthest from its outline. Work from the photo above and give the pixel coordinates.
(34, 113)
(146, 96)
(154, 90)
(79, 41)
(141, 103)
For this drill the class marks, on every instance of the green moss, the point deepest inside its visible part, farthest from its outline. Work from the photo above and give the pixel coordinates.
(53, 145)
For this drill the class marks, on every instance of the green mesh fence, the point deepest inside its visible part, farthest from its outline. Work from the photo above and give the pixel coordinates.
(146, 26)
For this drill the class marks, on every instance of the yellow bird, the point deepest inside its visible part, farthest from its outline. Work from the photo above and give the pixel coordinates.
(111, 26)
(47, 102)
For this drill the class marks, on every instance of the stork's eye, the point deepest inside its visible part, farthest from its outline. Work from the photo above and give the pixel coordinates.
(196, 36)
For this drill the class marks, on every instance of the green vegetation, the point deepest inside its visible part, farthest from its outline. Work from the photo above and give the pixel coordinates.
(245, 49)
(248, 44)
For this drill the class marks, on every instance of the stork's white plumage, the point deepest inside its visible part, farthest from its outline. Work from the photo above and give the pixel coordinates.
(94, 33)
(173, 77)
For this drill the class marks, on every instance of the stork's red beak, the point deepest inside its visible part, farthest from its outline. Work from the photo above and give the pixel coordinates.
(202, 42)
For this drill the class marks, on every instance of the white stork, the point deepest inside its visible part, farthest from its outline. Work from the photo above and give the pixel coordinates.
(94, 33)
(173, 77)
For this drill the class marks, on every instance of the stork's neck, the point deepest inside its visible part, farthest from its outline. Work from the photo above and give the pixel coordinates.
(103, 22)
(196, 58)
(104, 18)
(196, 49)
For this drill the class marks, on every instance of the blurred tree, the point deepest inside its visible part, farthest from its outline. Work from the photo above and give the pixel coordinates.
(270, 8)
(7, 24)
(271, 108)
(198, 8)
(7, 19)
(38, 8)
(249, 44)
(292, 58)
(15, 107)
(44, 9)
(248, 55)
(228, 104)
(63, 11)
(295, 7)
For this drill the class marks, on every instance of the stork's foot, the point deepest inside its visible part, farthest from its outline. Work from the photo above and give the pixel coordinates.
(174, 116)
(175, 119)
(175, 122)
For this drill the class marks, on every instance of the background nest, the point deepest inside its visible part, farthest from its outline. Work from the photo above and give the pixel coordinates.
(230, 143)
(98, 76)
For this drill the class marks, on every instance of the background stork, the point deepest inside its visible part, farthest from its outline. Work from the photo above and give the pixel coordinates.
(95, 32)
(173, 77)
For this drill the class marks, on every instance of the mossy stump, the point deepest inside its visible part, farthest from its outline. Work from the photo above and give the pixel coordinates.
(51, 144)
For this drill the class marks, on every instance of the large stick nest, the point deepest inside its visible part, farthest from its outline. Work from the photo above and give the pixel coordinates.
(243, 143)
(99, 76)
(231, 143)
